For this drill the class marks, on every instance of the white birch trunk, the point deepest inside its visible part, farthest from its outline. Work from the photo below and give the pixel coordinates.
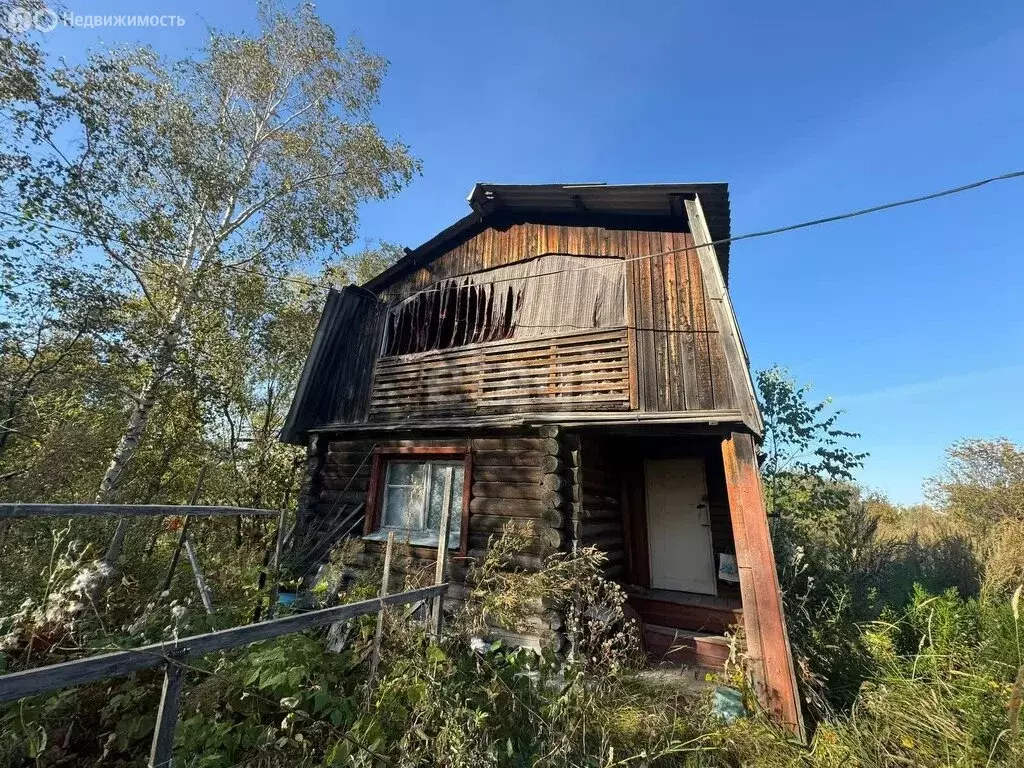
(137, 422)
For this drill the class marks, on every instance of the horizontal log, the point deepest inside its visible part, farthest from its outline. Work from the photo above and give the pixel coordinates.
(509, 459)
(497, 523)
(507, 474)
(551, 464)
(29, 682)
(360, 483)
(609, 544)
(510, 507)
(508, 490)
(588, 513)
(526, 562)
(537, 640)
(553, 482)
(123, 510)
(589, 532)
(543, 445)
(487, 526)
(545, 541)
(345, 471)
(614, 572)
(331, 498)
(549, 430)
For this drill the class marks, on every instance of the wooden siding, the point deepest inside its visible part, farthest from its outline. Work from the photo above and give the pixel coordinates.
(681, 360)
(677, 359)
(498, 247)
(572, 372)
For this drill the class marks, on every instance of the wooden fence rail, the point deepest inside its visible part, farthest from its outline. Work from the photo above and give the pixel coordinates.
(30, 682)
(123, 510)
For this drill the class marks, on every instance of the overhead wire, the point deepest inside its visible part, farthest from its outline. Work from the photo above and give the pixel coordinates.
(626, 260)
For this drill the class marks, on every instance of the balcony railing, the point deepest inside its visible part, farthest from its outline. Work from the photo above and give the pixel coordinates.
(587, 371)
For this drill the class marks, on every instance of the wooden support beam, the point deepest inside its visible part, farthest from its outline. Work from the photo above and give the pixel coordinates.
(204, 589)
(770, 658)
(378, 635)
(437, 609)
(166, 718)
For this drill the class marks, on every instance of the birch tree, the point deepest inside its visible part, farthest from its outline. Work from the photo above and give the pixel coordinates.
(182, 175)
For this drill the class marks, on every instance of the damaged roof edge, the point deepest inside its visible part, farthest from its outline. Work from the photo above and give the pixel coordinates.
(491, 201)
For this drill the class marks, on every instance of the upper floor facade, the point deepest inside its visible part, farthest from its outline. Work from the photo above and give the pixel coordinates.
(560, 304)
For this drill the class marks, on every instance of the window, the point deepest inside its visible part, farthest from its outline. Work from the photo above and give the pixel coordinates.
(413, 494)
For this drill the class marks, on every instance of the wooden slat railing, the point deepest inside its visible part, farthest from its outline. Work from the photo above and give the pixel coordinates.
(169, 654)
(586, 371)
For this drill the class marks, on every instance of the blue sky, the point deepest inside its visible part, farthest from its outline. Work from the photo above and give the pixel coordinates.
(910, 319)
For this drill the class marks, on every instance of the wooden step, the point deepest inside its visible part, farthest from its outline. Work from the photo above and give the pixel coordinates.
(680, 646)
(683, 610)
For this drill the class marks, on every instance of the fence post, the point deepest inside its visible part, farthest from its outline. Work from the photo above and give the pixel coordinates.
(167, 718)
(437, 608)
(204, 589)
(183, 533)
(379, 634)
(275, 586)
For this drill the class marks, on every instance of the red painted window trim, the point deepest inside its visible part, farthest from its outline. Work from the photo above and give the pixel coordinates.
(383, 454)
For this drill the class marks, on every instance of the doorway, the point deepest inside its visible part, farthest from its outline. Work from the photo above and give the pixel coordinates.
(682, 556)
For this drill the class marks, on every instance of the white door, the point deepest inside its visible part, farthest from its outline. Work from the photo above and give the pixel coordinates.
(678, 528)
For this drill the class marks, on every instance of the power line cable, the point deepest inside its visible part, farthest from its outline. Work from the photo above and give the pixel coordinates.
(753, 235)
(643, 257)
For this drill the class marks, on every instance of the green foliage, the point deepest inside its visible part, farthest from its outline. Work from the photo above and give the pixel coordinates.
(806, 463)
(178, 193)
(982, 482)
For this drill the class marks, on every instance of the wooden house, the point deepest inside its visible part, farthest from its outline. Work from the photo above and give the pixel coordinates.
(566, 354)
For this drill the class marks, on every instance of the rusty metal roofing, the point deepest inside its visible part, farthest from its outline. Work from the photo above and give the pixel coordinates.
(644, 206)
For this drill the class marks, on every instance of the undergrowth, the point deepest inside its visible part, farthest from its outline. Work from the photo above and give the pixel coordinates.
(933, 680)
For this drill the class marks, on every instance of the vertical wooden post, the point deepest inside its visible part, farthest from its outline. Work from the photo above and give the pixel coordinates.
(437, 609)
(204, 589)
(768, 648)
(379, 633)
(167, 718)
(275, 583)
(183, 534)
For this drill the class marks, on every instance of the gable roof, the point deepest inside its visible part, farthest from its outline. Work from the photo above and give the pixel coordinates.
(643, 206)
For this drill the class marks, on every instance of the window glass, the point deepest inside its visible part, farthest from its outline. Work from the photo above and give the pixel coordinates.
(414, 498)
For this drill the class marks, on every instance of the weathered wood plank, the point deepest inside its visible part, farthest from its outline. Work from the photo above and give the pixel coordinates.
(166, 718)
(123, 510)
(764, 620)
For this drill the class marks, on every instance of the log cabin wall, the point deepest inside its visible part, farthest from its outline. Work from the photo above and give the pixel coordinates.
(514, 479)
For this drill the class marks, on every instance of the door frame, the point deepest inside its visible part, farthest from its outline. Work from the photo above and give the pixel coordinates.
(705, 524)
